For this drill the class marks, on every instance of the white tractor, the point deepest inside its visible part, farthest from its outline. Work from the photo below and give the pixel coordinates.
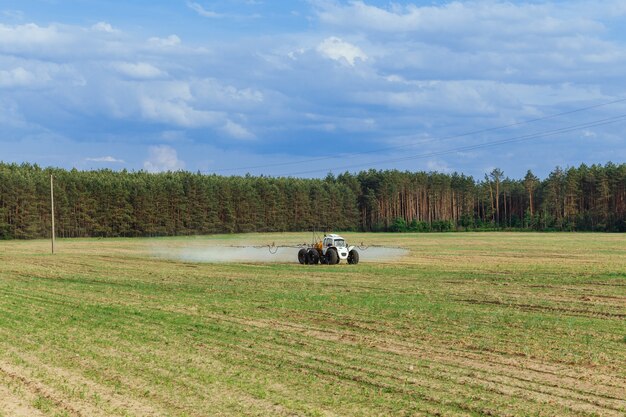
(331, 250)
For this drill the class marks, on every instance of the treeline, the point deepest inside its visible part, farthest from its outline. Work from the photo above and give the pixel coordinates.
(110, 203)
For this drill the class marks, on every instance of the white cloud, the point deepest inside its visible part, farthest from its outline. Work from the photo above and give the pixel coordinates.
(163, 158)
(13, 14)
(438, 166)
(16, 38)
(471, 97)
(17, 77)
(202, 11)
(104, 27)
(198, 8)
(214, 91)
(173, 136)
(455, 17)
(180, 105)
(172, 40)
(27, 74)
(64, 43)
(178, 113)
(337, 49)
(106, 159)
(139, 70)
(237, 131)
(294, 55)
(332, 123)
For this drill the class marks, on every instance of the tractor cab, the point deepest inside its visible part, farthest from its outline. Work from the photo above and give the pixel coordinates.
(337, 244)
(334, 240)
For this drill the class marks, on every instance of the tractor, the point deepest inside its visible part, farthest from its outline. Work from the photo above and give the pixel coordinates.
(330, 250)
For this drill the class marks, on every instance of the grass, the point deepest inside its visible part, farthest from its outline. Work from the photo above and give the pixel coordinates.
(466, 324)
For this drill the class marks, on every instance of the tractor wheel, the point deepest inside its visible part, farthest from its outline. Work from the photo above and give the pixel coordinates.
(302, 256)
(353, 257)
(313, 256)
(331, 257)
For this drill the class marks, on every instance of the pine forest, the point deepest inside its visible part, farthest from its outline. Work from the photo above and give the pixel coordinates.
(109, 203)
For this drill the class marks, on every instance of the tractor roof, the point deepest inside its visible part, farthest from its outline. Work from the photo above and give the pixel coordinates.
(333, 236)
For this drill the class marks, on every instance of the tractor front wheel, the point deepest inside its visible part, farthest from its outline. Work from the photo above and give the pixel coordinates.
(331, 257)
(353, 257)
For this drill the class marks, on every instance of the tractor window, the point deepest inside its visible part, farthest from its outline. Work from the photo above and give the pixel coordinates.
(340, 243)
(328, 242)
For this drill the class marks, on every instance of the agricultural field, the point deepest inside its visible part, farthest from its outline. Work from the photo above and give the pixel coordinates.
(467, 324)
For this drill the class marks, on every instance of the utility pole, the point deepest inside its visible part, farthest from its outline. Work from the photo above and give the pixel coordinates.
(52, 208)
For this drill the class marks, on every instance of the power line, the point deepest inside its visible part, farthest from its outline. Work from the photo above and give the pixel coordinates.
(491, 129)
(537, 135)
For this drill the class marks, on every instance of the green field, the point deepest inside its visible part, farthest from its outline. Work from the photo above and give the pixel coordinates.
(465, 324)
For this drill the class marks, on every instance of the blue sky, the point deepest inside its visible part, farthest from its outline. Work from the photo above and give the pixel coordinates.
(304, 88)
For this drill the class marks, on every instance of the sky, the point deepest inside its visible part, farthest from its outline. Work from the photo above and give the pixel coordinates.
(310, 87)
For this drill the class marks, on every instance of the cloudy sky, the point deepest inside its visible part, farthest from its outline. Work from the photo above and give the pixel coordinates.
(304, 88)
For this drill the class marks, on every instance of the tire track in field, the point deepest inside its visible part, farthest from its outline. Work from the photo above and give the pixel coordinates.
(32, 384)
(135, 384)
(591, 398)
(507, 360)
(129, 348)
(512, 381)
(422, 388)
(551, 309)
(516, 382)
(273, 325)
(346, 322)
(338, 371)
(541, 366)
(419, 389)
(13, 405)
(222, 318)
(73, 382)
(362, 328)
(121, 405)
(585, 299)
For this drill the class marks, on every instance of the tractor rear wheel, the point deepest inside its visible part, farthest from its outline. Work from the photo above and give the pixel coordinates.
(302, 256)
(353, 257)
(331, 257)
(313, 256)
